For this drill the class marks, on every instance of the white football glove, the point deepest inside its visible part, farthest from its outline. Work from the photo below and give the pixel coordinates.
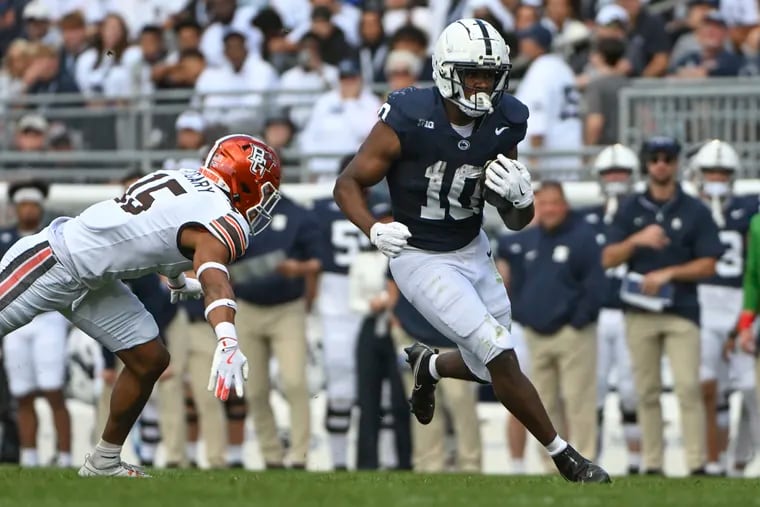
(511, 180)
(390, 238)
(228, 367)
(183, 288)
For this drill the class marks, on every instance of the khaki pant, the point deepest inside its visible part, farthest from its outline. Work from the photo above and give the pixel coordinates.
(429, 441)
(563, 370)
(649, 335)
(191, 346)
(279, 331)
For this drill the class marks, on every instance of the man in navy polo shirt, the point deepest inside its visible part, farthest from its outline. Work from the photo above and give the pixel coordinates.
(558, 290)
(670, 242)
(271, 283)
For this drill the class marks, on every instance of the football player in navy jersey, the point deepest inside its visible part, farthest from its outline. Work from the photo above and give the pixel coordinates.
(616, 169)
(342, 240)
(720, 298)
(438, 148)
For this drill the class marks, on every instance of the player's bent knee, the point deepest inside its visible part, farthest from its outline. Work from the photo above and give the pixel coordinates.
(505, 365)
(148, 360)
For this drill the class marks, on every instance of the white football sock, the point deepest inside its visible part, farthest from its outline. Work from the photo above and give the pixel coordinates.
(234, 454)
(518, 466)
(63, 460)
(432, 369)
(106, 455)
(28, 457)
(634, 459)
(556, 446)
(339, 449)
(191, 449)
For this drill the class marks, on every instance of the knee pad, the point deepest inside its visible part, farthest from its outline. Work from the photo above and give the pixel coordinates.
(338, 418)
(628, 416)
(191, 414)
(149, 432)
(236, 409)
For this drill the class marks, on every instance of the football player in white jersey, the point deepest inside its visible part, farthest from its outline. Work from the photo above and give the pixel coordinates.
(616, 168)
(167, 222)
(713, 169)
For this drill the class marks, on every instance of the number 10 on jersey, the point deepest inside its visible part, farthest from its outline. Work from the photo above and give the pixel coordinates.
(464, 197)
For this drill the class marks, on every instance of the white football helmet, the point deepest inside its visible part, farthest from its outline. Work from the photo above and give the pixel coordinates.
(470, 44)
(616, 157)
(715, 155)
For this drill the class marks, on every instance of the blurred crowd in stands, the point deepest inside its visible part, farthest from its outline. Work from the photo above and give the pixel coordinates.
(310, 74)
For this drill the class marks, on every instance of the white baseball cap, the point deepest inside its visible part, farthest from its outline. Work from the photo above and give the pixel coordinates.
(36, 9)
(190, 120)
(611, 13)
(32, 122)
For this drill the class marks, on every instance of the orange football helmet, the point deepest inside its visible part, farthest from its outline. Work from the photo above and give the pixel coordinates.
(249, 171)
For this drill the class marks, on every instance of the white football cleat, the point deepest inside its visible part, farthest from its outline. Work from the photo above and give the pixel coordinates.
(122, 469)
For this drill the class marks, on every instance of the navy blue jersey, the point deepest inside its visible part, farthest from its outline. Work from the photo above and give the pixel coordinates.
(595, 217)
(293, 234)
(341, 239)
(8, 236)
(436, 184)
(737, 212)
(564, 263)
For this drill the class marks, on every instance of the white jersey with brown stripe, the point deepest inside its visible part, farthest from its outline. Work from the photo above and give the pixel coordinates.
(137, 233)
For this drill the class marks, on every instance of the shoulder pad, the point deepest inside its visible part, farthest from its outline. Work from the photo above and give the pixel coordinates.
(513, 110)
(411, 103)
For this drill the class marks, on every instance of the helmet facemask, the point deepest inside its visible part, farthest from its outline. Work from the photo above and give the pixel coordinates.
(616, 188)
(479, 103)
(260, 215)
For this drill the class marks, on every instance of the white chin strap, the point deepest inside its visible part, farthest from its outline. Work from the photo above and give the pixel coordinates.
(716, 206)
(477, 105)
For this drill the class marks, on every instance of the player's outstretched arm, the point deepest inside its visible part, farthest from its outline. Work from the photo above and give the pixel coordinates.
(368, 167)
(229, 366)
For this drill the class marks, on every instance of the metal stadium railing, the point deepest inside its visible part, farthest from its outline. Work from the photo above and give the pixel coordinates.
(137, 133)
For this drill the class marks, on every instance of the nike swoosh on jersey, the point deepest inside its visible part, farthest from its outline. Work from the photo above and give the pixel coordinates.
(499, 130)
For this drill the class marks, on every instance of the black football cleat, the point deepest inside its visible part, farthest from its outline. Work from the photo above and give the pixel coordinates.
(422, 401)
(575, 468)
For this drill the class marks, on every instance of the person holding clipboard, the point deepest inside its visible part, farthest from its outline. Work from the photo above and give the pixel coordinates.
(670, 241)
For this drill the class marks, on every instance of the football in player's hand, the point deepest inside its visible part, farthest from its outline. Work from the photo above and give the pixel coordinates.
(492, 197)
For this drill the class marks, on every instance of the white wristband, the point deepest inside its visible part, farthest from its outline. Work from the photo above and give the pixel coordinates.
(228, 303)
(211, 265)
(225, 330)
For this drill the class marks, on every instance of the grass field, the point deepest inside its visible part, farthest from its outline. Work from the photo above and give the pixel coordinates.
(54, 488)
